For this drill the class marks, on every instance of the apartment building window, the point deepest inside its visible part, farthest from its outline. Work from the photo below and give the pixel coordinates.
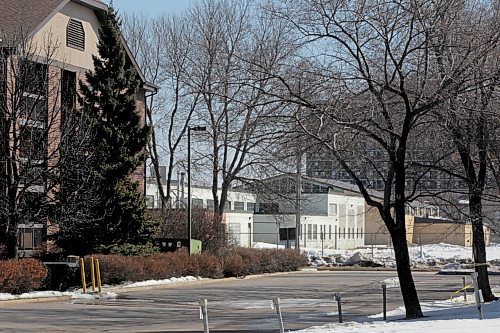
(197, 203)
(333, 210)
(30, 236)
(227, 206)
(31, 172)
(315, 231)
(309, 231)
(32, 134)
(330, 232)
(239, 205)
(75, 35)
(68, 91)
(34, 110)
(251, 206)
(210, 204)
(33, 84)
(32, 143)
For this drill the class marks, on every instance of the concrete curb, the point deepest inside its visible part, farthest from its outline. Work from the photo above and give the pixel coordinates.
(371, 269)
(459, 272)
(35, 300)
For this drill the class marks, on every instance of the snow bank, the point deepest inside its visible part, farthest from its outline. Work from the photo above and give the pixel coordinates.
(77, 294)
(454, 316)
(173, 280)
(50, 293)
(447, 256)
(260, 245)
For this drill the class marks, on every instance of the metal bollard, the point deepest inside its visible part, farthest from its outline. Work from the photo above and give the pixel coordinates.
(276, 306)
(204, 314)
(478, 295)
(338, 298)
(384, 300)
(464, 288)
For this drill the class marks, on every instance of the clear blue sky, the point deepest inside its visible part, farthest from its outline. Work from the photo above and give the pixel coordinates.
(150, 7)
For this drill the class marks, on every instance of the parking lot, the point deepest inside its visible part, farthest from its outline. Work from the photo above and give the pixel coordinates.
(242, 305)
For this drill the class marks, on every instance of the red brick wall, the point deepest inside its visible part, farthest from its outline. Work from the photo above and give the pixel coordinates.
(140, 173)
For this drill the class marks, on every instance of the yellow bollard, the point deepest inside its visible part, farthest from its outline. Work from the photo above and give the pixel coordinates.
(92, 273)
(98, 271)
(82, 271)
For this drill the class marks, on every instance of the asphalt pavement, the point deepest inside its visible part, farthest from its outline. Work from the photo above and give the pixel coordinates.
(234, 305)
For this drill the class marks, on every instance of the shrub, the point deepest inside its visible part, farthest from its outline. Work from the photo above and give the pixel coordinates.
(21, 276)
(257, 261)
(233, 265)
(209, 266)
(117, 268)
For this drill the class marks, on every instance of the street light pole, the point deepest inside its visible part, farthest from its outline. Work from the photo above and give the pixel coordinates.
(196, 129)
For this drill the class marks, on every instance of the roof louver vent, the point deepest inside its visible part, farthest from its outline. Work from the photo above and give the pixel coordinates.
(75, 35)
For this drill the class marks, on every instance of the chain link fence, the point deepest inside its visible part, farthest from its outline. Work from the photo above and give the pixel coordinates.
(348, 239)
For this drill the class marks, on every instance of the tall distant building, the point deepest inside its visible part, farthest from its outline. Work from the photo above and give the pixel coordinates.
(371, 168)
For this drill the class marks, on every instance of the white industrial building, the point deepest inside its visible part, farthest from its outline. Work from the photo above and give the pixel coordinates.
(330, 216)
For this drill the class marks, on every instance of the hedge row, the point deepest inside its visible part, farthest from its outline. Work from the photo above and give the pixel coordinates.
(21, 276)
(247, 261)
(116, 269)
(24, 275)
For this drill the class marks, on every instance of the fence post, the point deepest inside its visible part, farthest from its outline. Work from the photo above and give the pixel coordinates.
(92, 273)
(384, 300)
(421, 247)
(204, 314)
(465, 289)
(98, 272)
(82, 273)
(276, 306)
(371, 237)
(478, 295)
(338, 298)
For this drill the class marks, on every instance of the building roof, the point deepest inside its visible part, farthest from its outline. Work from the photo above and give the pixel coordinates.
(344, 186)
(23, 18)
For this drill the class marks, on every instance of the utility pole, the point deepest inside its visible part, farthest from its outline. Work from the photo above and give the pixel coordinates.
(298, 187)
(196, 129)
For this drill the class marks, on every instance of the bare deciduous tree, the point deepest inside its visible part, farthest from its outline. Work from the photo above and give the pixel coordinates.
(373, 78)
(165, 59)
(239, 48)
(472, 28)
(36, 106)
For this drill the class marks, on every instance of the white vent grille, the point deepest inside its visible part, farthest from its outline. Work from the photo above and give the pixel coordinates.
(75, 35)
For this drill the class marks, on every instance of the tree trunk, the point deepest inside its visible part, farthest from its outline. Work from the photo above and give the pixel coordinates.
(12, 243)
(407, 285)
(479, 247)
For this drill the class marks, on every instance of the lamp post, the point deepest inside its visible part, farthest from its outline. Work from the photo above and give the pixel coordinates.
(196, 129)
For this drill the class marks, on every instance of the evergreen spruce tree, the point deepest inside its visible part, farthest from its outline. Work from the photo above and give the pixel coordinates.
(120, 218)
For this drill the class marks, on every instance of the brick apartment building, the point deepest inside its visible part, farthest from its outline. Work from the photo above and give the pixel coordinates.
(52, 42)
